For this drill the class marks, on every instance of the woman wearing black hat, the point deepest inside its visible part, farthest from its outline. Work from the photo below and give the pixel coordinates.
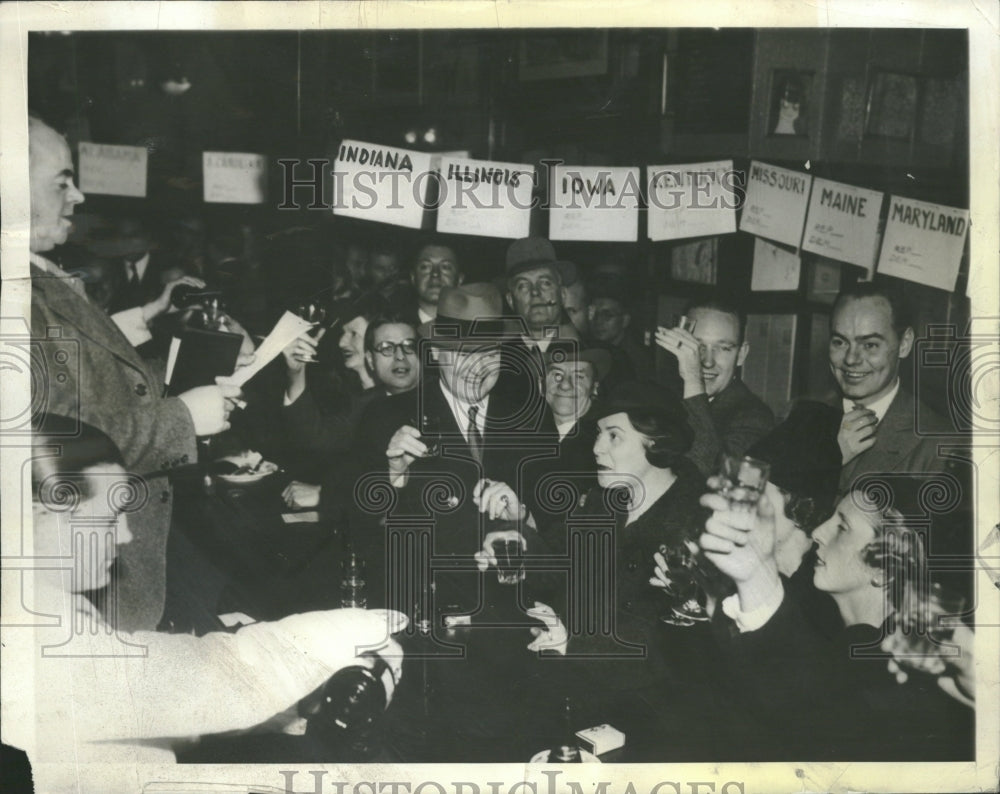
(635, 669)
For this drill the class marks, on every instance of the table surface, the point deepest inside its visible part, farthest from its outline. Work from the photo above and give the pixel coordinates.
(471, 694)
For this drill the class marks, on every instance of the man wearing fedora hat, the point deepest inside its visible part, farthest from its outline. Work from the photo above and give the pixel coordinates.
(536, 281)
(455, 432)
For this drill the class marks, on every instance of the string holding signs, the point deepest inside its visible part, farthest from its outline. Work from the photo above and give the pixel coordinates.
(843, 222)
(594, 203)
(113, 170)
(484, 198)
(691, 200)
(923, 242)
(234, 177)
(381, 183)
(775, 205)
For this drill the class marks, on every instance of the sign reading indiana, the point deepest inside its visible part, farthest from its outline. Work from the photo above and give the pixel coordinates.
(381, 183)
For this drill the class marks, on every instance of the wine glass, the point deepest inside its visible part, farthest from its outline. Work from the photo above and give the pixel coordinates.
(687, 596)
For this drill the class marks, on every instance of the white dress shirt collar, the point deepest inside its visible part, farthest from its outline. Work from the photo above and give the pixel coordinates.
(460, 410)
(880, 406)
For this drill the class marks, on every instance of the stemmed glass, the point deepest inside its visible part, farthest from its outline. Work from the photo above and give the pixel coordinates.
(692, 577)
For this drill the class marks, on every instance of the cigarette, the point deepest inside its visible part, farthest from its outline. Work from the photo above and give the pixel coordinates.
(241, 404)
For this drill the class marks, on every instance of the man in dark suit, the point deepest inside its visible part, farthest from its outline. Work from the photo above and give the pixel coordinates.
(453, 448)
(870, 335)
(100, 378)
(725, 415)
(435, 266)
(142, 265)
(573, 378)
(536, 281)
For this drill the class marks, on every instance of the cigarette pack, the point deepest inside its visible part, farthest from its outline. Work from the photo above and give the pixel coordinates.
(601, 739)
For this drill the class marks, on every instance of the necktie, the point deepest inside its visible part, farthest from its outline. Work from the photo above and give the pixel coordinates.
(475, 437)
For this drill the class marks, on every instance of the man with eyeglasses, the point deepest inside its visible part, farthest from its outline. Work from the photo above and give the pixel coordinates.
(391, 359)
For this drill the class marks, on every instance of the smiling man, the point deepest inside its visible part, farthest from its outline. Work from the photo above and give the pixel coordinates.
(725, 415)
(870, 335)
(104, 382)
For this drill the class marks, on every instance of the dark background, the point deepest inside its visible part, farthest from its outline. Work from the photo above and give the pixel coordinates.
(643, 96)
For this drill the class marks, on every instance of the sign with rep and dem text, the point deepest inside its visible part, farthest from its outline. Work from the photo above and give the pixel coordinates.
(484, 198)
(381, 183)
(843, 222)
(691, 200)
(113, 170)
(923, 242)
(594, 203)
(234, 177)
(776, 202)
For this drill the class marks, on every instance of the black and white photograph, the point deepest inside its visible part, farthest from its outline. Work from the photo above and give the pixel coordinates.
(396, 395)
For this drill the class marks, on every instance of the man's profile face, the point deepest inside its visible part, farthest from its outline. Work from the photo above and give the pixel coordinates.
(536, 295)
(435, 267)
(865, 349)
(718, 335)
(53, 193)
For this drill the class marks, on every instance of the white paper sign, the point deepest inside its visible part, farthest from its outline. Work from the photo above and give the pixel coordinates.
(843, 222)
(288, 328)
(774, 268)
(234, 177)
(484, 198)
(776, 203)
(381, 183)
(113, 170)
(923, 242)
(594, 203)
(691, 200)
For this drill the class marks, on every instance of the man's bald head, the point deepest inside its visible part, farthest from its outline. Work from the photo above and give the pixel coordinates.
(53, 191)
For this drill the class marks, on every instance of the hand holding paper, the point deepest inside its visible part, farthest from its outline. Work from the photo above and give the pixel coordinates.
(286, 330)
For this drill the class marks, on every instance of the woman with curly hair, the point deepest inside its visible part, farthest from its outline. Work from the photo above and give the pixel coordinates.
(835, 698)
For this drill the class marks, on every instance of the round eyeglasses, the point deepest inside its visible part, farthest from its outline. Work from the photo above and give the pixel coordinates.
(388, 349)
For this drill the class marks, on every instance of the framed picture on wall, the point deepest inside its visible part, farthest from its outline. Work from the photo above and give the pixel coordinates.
(695, 261)
(557, 54)
(892, 105)
(789, 107)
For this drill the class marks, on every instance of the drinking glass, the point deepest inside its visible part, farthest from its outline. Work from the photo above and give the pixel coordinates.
(742, 481)
(430, 434)
(923, 631)
(686, 594)
(510, 561)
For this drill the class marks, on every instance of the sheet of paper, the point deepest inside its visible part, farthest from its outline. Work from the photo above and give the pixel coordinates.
(113, 170)
(306, 517)
(484, 198)
(923, 242)
(594, 203)
(776, 203)
(691, 200)
(843, 222)
(382, 183)
(774, 268)
(289, 327)
(234, 177)
(175, 346)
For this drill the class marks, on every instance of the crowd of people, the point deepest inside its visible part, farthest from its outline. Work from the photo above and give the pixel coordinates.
(524, 408)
